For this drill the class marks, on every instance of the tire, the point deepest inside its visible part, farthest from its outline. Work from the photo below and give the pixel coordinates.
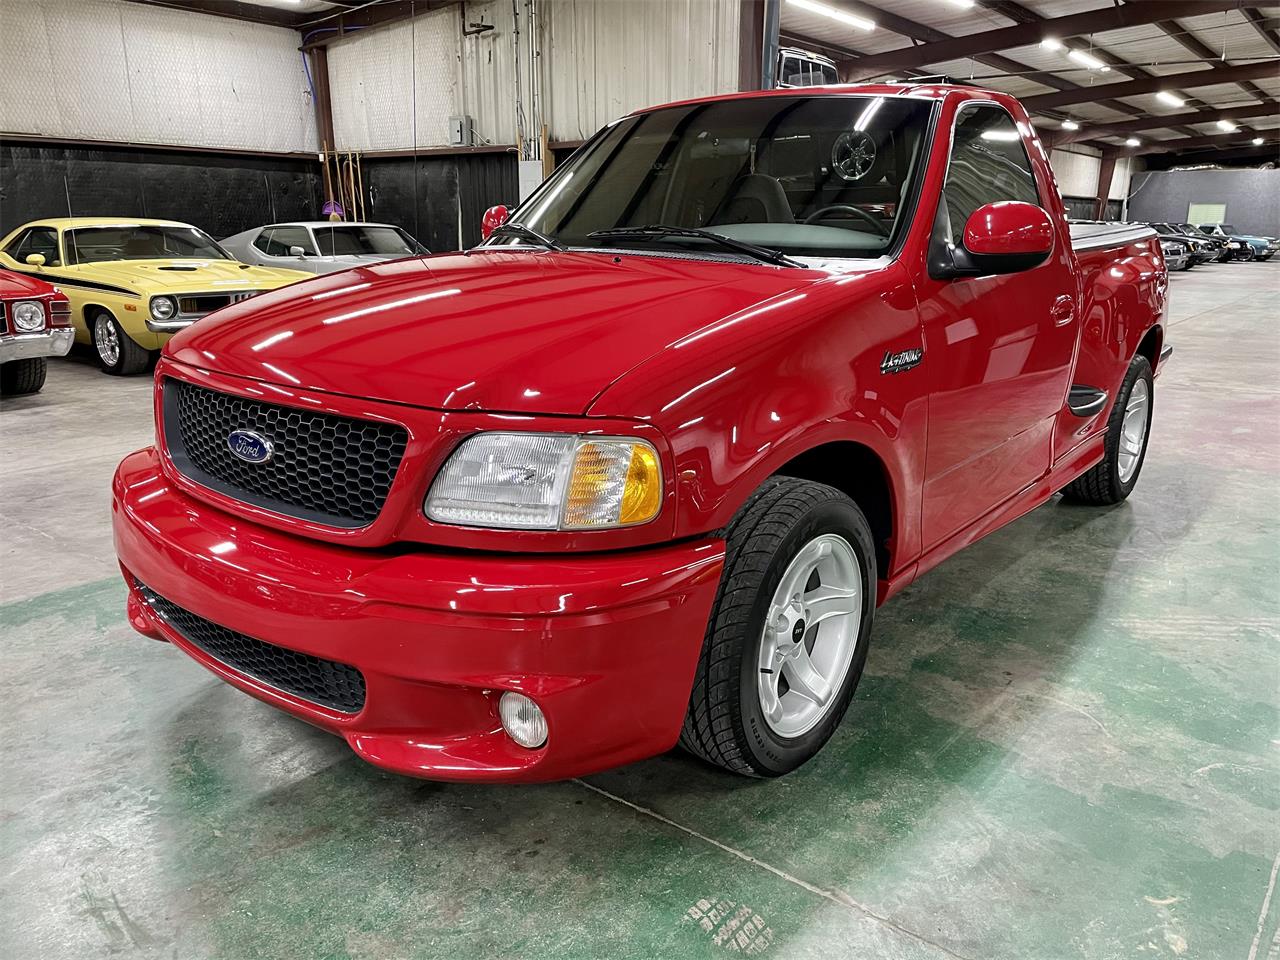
(784, 521)
(116, 351)
(22, 376)
(1112, 480)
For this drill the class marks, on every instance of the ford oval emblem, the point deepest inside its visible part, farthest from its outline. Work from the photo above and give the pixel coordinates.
(249, 446)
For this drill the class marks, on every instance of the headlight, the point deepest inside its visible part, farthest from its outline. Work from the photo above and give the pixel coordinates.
(28, 315)
(163, 308)
(541, 481)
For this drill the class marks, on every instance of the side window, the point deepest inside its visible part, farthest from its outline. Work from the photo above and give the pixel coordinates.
(988, 163)
(285, 237)
(42, 240)
(276, 241)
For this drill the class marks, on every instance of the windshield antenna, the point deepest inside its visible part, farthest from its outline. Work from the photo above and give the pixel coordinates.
(71, 216)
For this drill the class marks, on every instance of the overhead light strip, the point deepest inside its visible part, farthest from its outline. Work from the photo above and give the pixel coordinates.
(841, 16)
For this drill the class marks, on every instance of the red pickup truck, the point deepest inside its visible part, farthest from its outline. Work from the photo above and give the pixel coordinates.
(639, 468)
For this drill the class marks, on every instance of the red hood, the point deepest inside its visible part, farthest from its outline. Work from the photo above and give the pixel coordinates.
(14, 285)
(527, 332)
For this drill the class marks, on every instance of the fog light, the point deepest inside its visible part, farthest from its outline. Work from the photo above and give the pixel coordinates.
(523, 720)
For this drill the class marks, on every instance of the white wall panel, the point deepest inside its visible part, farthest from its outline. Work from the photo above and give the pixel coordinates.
(109, 70)
(375, 75)
(599, 59)
(602, 60)
(1076, 170)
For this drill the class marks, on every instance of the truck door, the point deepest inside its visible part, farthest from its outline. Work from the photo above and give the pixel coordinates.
(999, 348)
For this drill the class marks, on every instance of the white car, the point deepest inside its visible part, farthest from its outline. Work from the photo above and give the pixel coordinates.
(322, 246)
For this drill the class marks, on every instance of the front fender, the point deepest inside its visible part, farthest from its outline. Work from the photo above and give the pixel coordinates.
(740, 400)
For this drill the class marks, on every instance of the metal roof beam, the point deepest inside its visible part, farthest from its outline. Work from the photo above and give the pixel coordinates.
(1191, 43)
(1264, 26)
(1224, 141)
(1258, 70)
(941, 48)
(1170, 120)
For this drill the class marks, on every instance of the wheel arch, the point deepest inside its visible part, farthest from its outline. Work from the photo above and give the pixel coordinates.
(1151, 344)
(857, 471)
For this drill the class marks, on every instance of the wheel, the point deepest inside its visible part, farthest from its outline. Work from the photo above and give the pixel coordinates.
(22, 376)
(788, 633)
(117, 353)
(1128, 428)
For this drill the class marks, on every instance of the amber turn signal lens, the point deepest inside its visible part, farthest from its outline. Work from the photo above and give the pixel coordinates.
(614, 483)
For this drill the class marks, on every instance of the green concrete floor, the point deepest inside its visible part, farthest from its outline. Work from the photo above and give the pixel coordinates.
(1067, 744)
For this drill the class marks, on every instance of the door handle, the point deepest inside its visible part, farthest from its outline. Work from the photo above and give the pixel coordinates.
(1063, 311)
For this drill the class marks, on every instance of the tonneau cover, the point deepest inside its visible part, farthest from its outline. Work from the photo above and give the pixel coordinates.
(1094, 235)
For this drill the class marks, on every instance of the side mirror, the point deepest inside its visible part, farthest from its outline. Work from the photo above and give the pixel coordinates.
(493, 218)
(296, 251)
(1004, 237)
(35, 259)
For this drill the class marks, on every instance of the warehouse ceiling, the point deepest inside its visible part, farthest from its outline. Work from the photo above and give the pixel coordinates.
(1192, 81)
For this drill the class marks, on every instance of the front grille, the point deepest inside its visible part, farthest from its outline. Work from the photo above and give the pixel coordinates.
(198, 304)
(328, 683)
(327, 469)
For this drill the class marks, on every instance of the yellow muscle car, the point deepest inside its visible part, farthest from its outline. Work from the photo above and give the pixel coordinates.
(134, 283)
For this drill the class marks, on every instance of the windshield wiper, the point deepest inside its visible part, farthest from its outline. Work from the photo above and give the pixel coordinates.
(656, 230)
(527, 233)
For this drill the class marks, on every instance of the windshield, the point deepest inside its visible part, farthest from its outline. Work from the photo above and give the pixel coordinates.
(1226, 228)
(822, 176)
(352, 241)
(133, 242)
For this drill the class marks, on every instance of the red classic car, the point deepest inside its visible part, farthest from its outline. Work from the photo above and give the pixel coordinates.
(35, 323)
(639, 468)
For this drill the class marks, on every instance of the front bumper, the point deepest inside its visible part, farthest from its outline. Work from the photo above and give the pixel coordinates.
(605, 643)
(47, 343)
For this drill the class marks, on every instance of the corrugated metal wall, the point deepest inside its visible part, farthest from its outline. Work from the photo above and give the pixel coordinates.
(375, 76)
(109, 70)
(1077, 172)
(599, 60)
(603, 60)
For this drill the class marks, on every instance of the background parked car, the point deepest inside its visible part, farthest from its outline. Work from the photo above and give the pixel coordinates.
(1202, 249)
(1177, 254)
(804, 68)
(1222, 246)
(134, 283)
(321, 246)
(1263, 247)
(35, 323)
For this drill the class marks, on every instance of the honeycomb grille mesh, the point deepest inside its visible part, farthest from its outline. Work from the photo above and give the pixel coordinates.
(328, 469)
(325, 682)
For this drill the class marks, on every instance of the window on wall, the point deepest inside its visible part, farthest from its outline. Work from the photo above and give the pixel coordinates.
(1206, 212)
(988, 164)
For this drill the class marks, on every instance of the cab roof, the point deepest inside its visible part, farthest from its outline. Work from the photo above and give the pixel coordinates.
(915, 91)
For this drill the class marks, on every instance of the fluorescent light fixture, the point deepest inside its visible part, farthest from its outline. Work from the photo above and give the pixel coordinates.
(1086, 60)
(1049, 43)
(1226, 126)
(1000, 135)
(1133, 142)
(966, 4)
(1257, 141)
(1070, 125)
(822, 10)
(1164, 96)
